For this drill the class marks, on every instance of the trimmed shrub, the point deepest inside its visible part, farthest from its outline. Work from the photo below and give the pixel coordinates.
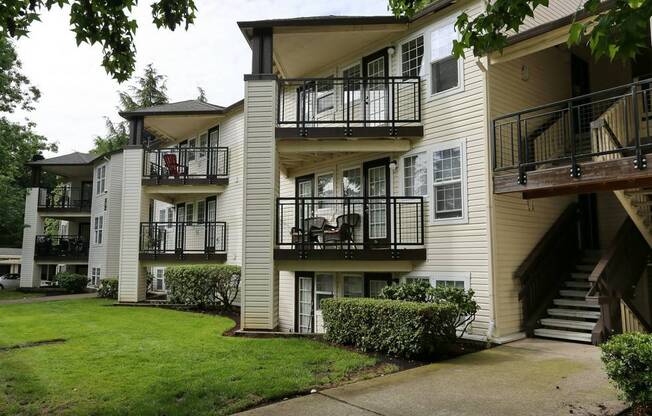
(108, 288)
(407, 329)
(203, 286)
(628, 361)
(72, 282)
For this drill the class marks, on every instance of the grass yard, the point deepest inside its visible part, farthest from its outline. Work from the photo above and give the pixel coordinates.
(13, 294)
(146, 361)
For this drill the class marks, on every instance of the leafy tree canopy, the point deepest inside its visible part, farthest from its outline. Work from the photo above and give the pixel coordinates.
(108, 23)
(620, 32)
(16, 90)
(202, 95)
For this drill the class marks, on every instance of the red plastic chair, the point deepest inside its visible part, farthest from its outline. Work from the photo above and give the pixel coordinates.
(173, 167)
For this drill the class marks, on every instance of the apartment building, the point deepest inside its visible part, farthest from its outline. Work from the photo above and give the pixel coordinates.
(365, 154)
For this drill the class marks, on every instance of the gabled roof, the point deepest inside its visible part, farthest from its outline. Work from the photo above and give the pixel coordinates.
(187, 107)
(71, 159)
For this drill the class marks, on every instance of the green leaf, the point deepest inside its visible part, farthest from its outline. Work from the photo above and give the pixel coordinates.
(575, 33)
(635, 4)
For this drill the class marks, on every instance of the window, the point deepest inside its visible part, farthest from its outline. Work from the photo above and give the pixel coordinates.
(324, 189)
(351, 182)
(325, 95)
(411, 57)
(159, 280)
(448, 187)
(170, 216)
(189, 212)
(324, 288)
(192, 143)
(450, 283)
(353, 86)
(201, 209)
(161, 215)
(100, 179)
(375, 287)
(415, 175)
(95, 276)
(459, 280)
(444, 67)
(98, 226)
(203, 143)
(353, 287)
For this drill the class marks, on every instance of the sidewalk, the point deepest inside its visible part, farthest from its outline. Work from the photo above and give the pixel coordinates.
(48, 298)
(527, 377)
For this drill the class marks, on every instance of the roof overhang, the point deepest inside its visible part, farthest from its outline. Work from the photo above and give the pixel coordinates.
(179, 127)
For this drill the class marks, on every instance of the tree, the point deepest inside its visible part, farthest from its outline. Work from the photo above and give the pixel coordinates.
(108, 23)
(202, 95)
(147, 90)
(16, 90)
(620, 32)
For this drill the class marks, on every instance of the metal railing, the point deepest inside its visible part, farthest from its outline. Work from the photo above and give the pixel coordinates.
(186, 163)
(182, 237)
(64, 246)
(570, 131)
(65, 197)
(349, 223)
(348, 102)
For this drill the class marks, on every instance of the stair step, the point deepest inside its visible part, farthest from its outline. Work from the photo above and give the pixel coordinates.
(585, 267)
(559, 334)
(576, 303)
(642, 203)
(578, 284)
(573, 293)
(581, 276)
(567, 323)
(574, 313)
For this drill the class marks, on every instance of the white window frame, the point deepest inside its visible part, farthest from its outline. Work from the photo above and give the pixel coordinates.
(188, 211)
(202, 153)
(201, 204)
(426, 46)
(100, 179)
(464, 219)
(434, 277)
(96, 276)
(341, 181)
(428, 52)
(162, 215)
(332, 293)
(323, 94)
(354, 275)
(359, 95)
(190, 145)
(401, 174)
(98, 230)
(317, 176)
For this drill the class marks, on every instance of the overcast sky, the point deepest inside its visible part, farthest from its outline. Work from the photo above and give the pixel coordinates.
(77, 94)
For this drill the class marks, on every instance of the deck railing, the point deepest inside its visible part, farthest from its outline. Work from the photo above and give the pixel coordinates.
(349, 223)
(210, 163)
(61, 246)
(617, 121)
(65, 197)
(348, 102)
(182, 237)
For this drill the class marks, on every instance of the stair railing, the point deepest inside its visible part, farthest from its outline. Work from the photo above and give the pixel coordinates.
(547, 267)
(614, 281)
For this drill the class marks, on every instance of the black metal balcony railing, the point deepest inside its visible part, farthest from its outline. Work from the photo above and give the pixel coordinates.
(350, 223)
(61, 246)
(348, 102)
(180, 238)
(211, 163)
(65, 198)
(599, 126)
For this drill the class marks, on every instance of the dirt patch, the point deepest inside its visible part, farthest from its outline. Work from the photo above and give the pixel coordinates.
(33, 344)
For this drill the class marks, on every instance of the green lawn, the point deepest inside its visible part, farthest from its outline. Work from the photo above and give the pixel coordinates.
(13, 294)
(124, 360)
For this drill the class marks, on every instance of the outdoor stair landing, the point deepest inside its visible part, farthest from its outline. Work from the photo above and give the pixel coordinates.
(572, 315)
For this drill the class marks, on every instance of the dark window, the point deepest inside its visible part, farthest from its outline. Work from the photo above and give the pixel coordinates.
(444, 74)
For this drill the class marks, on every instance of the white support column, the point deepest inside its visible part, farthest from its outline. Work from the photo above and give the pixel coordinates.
(132, 286)
(261, 188)
(30, 275)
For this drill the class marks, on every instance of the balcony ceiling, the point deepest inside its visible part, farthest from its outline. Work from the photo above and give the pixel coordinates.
(295, 47)
(173, 128)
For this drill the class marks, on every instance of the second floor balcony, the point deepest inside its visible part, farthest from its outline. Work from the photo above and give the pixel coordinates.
(66, 199)
(178, 241)
(357, 107)
(186, 166)
(350, 228)
(61, 248)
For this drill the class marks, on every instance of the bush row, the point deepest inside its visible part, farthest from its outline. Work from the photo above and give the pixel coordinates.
(108, 288)
(72, 282)
(203, 286)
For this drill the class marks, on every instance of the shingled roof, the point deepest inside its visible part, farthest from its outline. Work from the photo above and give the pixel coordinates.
(71, 159)
(187, 107)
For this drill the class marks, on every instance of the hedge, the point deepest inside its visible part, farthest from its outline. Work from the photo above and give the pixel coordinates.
(108, 288)
(407, 329)
(628, 361)
(72, 282)
(203, 286)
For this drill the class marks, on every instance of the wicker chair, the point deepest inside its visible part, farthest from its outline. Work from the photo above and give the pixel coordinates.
(309, 232)
(344, 231)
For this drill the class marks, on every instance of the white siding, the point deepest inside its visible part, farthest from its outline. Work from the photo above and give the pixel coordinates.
(30, 272)
(556, 9)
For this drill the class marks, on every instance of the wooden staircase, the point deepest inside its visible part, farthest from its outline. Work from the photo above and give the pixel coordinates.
(573, 314)
(638, 205)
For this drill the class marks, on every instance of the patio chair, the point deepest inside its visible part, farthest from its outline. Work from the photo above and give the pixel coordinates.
(344, 231)
(173, 166)
(309, 232)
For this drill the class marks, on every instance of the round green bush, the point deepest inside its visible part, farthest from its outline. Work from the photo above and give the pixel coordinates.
(72, 282)
(203, 286)
(108, 288)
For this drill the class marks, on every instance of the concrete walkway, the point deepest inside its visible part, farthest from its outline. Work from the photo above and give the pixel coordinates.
(527, 377)
(48, 298)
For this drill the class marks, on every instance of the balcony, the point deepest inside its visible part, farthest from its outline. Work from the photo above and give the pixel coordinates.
(192, 241)
(350, 228)
(323, 108)
(186, 166)
(65, 199)
(61, 248)
(598, 141)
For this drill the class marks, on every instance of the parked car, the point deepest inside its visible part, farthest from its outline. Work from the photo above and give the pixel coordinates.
(9, 281)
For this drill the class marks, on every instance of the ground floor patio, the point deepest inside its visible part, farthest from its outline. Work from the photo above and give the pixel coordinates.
(527, 377)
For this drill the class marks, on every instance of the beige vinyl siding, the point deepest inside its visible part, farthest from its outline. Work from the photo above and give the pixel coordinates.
(611, 216)
(30, 272)
(260, 279)
(556, 9)
(112, 217)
